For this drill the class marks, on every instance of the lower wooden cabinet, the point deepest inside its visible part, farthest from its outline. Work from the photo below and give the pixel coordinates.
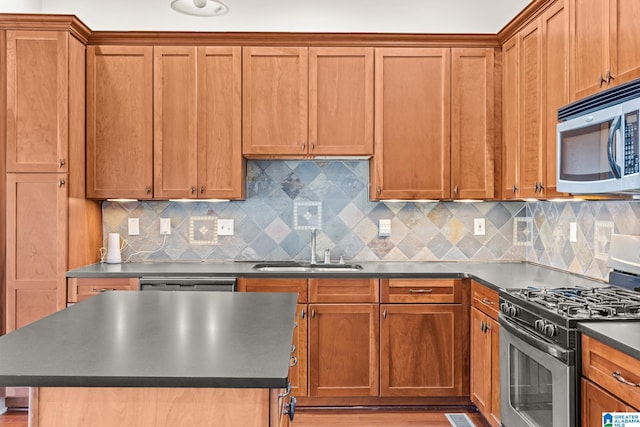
(485, 352)
(79, 289)
(595, 401)
(420, 350)
(609, 382)
(343, 350)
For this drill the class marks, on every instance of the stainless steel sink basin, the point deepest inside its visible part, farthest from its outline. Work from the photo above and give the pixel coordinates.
(304, 267)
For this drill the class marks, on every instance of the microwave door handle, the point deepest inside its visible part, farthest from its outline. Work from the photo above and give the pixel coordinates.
(615, 128)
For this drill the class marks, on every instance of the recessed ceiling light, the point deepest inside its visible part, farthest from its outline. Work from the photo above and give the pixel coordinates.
(200, 7)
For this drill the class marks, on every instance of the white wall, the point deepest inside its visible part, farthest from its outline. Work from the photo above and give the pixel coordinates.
(401, 16)
(20, 6)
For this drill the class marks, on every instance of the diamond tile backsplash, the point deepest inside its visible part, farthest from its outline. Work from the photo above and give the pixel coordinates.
(287, 199)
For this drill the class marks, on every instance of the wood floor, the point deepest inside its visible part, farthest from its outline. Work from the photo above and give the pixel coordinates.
(306, 417)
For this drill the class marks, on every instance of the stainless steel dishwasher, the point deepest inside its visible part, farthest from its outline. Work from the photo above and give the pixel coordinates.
(188, 283)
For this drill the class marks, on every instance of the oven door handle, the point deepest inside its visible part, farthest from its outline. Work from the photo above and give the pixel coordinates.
(530, 338)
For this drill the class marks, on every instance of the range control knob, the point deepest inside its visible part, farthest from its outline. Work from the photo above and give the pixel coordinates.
(513, 311)
(539, 325)
(503, 307)
(550, 330)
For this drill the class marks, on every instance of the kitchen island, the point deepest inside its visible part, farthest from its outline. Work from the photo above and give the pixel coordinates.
(156, 359)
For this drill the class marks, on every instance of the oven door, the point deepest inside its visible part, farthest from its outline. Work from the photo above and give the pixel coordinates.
(537, 380)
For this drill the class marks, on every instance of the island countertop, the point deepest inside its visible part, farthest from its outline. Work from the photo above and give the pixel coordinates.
(156, 339)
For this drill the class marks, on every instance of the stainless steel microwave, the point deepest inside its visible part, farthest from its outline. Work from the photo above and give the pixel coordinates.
(597, 143)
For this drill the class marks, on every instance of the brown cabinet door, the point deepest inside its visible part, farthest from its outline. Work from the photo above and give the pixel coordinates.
(596, 401)
(480, 362)
(624, 35)
(340, 101)
(175, 120)
(221, 167)
(472, 123)
(412, 124)
(485, 366)
(555, 87)
(37, 101)
(510, 119)
(421, 352)
(530, 150)
(343, 350)
(36, 247)
(120, 122)
(589, 46)
(274, 100)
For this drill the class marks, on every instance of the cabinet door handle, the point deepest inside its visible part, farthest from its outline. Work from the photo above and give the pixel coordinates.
(290, 408)
(61, 163)
(302, 314)
(602, 80)
(303, 147)
(294, 361)
(313, 146)
(486, 301)
(483, 326)
(285, 394)
(147, 189)
(618, 376)
(193, 189)
(609, 76)
(202, 189)
(313, 314)
(61, 183)
(515, 189)
(420, 291)
(102, 289)
(455, 190)
(379, 190)
(535, 187)
(384, 313)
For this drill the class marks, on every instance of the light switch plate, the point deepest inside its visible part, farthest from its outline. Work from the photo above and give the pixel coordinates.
(573, 232)
(225, 227)
(134, 227)
(478, 227)
(165, 226)
(384, 228)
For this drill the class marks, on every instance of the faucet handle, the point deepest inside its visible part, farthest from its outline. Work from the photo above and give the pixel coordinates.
(327, 256)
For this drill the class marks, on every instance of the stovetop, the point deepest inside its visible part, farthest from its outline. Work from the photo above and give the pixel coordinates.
(583, 304)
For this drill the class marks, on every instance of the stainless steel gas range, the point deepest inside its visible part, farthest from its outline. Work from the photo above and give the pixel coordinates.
(540, 345)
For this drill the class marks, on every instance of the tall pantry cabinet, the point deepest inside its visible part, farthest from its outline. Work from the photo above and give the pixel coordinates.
(50, 227)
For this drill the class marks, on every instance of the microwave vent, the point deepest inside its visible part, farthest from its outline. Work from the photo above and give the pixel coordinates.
(610, 97)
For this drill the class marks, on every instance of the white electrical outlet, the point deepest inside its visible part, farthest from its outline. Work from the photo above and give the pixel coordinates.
(384, 228)
(478, 227)
(165, 226)
(573, 232)
(134, 227)
(225, 227)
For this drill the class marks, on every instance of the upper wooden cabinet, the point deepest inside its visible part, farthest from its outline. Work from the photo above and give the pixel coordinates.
(535, 85)
(300, 102)
(473, 123)
(197, 123)
(120, 122)
(604, 44)
(37, 74)
(412, 124)
(434, 124)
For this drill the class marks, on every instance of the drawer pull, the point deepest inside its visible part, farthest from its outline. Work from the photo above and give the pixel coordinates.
(102, 289)
(420, 291)
(618, 376)
(294, 361)
(486, 301)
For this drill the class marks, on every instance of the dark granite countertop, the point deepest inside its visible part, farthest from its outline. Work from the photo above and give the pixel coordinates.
(623, 336)
(496, 275)
(156, 339)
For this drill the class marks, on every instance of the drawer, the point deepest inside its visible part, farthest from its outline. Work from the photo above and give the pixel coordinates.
(421, 290)
(80, 289)
(610, 368)
(298, 286)
(343, 290)
(484, 299)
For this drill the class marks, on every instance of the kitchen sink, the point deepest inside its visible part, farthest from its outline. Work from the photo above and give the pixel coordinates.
(302, 267)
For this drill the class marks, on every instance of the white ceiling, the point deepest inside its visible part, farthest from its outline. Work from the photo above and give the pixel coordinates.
(372, 16)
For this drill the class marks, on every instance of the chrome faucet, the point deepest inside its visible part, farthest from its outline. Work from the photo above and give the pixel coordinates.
(313, 245)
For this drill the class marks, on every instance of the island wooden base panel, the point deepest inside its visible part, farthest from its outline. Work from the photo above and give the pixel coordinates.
(142, 407)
